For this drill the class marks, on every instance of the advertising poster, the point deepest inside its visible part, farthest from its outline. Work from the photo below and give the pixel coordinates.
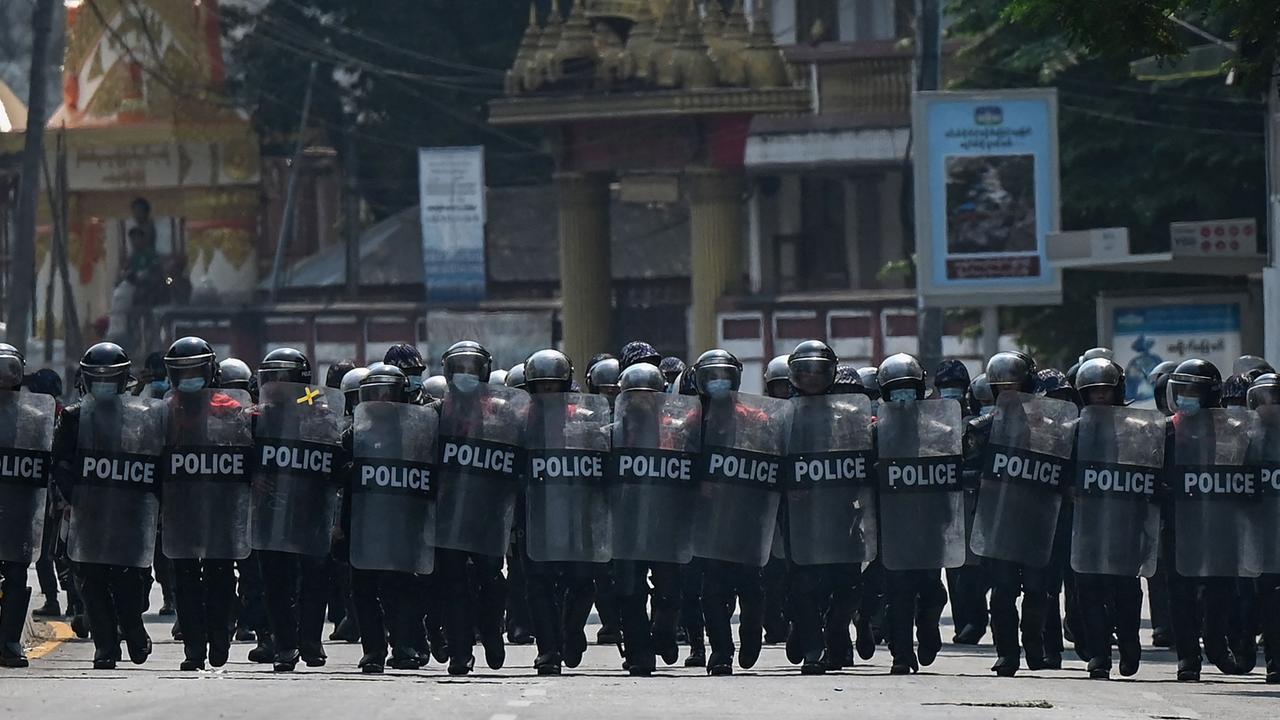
(1144, 335)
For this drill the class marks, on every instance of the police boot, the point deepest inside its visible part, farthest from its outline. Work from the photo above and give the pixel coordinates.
(492, 604)
(138, 642)
(286, 660)
(1034, 606)
(606, 603)
(372, 664)
(348, 629)
(1219, 653)
(811, 663)
(1100, 667)
(312, 653)
(1130, 657)
(750, 632)
(51, 608)
(1245, 652)
(663, 630)
(716, 611)
(1273, 672)
(265, 651)
(929, 634)
(577, 608)
(697, 651)
(12, 616)
(1189, 670)
(404, 658)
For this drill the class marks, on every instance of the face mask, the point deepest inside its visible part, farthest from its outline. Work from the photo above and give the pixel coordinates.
(951, 393)
(1187, 404)
(415, 383)
(102, 390)
(986, 409)
(719, 388)
(902, 395)
(466, 382)
(190, 385)
(159, 387)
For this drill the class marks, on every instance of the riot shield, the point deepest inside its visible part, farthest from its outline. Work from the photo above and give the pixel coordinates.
(566, 498)
(1264, 525)
(393, 509)
(26, 438)
(1214, 490)
(831, 495)
(652, 476)
(297, 442)
(740, 478)
(922, 514)
(1116, 523)
(114, 505)
(205, 504)
(479, 448)
(1025, 471)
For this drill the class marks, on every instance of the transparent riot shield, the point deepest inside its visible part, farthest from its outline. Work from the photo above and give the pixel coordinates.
(566, 500)
(653, 481)
(829, 481)
(922, 518)
(297, 450)
(1264, 525)
(1026, 469)
(393, 509)
(1214, 492)
(115, 504)
(26, 438)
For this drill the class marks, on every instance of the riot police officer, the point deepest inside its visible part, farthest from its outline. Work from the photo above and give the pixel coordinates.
(671, 368)
(234, 374)
(26, 431)
(967, 584)
(777, 385)
(602, 378)
(777, 380)
(409, 360)
(1264, 399)
(1158, 584)
(113, 529)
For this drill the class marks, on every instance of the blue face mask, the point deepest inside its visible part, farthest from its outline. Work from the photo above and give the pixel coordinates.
(103, 390)
(159, 387)
(719, 388)
(951, 393)
(466, 382)
(415, 383)
(1188, 405)
(190, 385)
(902, 395)
(986, 409)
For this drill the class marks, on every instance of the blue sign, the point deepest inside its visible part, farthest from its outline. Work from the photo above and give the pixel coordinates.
(1143, 336)
(452, 198)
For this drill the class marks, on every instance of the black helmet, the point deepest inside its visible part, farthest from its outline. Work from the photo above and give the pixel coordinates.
(951, 373)
(234, 374)
(498, 376)
(597, 358)
(1100, 382)
(1264, 391)
(643, 377)
(1053, 383)
(406, 357)
(899, 372)
(811, 367)
(671, 367)
(154, 365)
(12, 367)
(548, 371)
(980, 394)
(602, 378)
(384, 382)
(868, 381)
(105, 366)
(190, 363)
(686, 385)
(1160, 388)
(777, 378)
(1196, 384)
(1104, 353)
(435, 387)
(639, 352)
(1011, 370)
(336, 372)
(1075, 368)
(1235, 390)
(1250, 367)
(715, 366)
(350, 386)
(467, 357)
(285, 365)
(1163, 368)
(515, 377)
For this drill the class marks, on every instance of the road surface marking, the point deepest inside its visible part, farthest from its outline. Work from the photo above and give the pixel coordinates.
(61, 633)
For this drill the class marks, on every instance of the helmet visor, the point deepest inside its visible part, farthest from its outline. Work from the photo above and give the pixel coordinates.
(1260, 395)
(469, 364)
(10, 371)
(381, 392)
(812, 376)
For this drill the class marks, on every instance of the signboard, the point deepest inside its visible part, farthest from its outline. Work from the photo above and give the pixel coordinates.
(163, 164)
(509, 336)
(986, 194)
(1215, 238)
(451, 195)
(1146, 331)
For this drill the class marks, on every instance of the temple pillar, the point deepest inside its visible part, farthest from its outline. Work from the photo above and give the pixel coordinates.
(585, 273)
(715, 235)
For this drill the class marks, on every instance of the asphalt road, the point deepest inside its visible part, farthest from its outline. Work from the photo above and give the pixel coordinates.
(958, 686)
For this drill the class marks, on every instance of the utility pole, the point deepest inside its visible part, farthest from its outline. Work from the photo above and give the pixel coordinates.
(1271, 274)
(351, 206)
(928, 77)
(22, 263)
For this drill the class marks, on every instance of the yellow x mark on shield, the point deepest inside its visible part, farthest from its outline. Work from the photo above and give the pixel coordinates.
(309, 397)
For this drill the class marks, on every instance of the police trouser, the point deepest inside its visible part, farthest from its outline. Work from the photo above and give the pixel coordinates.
(205, 591)
(46, 572)
(967, 588)
(388, 608)
(774, 578)
(721, 582)
(1158, 595)
(866, 598)
(559, 596)
(644, 633)
(517, 588)
(472, 594)
(1269, 602)
(1108, 603)
(1244, 627)
(113, 597)
(253, 608)
(813, 590)
(13, 606)
(915, 599)
(1008, 581)
(691, 601)
(296, 588)
(1062, 590)
(1198, 607)
(161, 571)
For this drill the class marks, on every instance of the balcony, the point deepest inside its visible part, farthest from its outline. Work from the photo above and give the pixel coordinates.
(872, 79)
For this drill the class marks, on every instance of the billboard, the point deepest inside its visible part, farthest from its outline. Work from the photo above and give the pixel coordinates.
(1145, 331)
(986, 197)
(451, 197)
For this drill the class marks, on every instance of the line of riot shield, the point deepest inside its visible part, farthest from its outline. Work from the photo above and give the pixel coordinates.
(567, 516)
(740, 478)
(827, 476)
(26, 438)
(295, 491)
(919, 449)
(1024, 475)
(1116, 521)
(1264, 525)
(481, 436)
(115, 505)
(653, 483)
(1214, 492)
(204, 509)
(393, 508)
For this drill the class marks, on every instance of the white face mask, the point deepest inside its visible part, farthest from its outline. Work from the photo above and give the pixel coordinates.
(466, 382)
(951, 393)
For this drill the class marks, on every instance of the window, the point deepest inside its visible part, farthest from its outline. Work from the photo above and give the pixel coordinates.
(817, 15)
(822, 262)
